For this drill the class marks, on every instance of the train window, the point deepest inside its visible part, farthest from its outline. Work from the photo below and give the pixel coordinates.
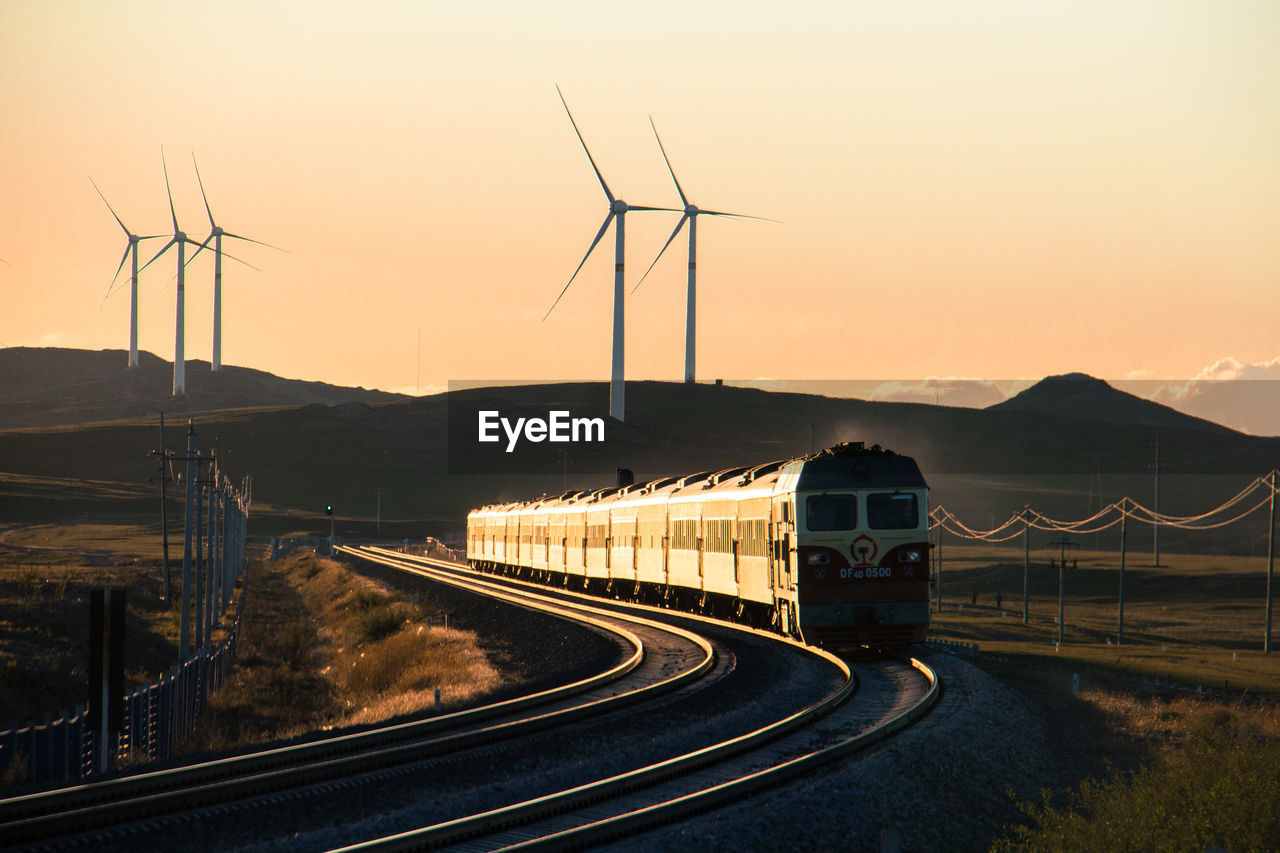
(892, 512)
(831, 512)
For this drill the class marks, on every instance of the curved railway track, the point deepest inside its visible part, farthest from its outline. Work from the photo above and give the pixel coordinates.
(669, 661)
(619, 806)
(655, 659)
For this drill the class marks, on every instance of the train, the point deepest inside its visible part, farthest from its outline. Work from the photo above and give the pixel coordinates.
(831, 548)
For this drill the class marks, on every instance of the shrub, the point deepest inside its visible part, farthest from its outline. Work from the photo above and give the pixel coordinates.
(1219, 790)
(378, 623)
(295, 642)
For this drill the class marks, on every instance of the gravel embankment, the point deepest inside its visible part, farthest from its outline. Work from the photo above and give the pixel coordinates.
(759, 684)
(941, 783)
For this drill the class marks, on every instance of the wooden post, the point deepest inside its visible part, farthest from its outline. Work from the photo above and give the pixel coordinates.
(104, 712)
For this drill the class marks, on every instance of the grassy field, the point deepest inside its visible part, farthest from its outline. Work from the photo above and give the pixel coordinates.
(1196, 621)
(46, 573)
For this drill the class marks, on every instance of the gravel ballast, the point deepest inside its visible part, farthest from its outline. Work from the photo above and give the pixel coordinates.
(942, 783)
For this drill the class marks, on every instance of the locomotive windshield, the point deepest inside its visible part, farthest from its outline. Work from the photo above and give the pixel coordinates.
(831, 512)
(892, 511)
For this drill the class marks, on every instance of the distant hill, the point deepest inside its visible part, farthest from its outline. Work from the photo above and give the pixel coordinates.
(1066, 444)
(41, 387)
(1082, 397)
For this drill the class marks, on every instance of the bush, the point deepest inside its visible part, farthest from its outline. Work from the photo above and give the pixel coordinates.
(1219, 790)
(377, 624)
(295, 642)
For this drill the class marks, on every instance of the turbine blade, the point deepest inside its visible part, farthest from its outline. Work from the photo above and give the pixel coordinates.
(199, 248)
(109, 207)
(239, 261)
(123, 258)
(739, 216)
(599, 234)
(251, 240)
(110, 292)
(155, 257)
(212, 224)
(632, 207)
(683, 200)
(608, 194)
(169, 191)
(679, 225)
(202, 246)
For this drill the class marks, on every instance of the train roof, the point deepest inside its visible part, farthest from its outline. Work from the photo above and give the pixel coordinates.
(844, 466)
(854, 466)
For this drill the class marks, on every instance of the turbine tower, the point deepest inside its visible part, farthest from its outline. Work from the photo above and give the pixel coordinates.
(131, 249)
(216, 233)
(617, 209)
(180, 240)
(691, 214)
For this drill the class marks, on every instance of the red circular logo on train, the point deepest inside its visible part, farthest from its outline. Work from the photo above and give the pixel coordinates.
(864, 550)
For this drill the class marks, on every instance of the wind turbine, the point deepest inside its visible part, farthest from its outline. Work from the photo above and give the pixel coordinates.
(180, 240)
(691, 214)
(131, 249)
(617, 209)
(216, 233)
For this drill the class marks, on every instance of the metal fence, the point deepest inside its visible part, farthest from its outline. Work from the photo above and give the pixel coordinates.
(157, 718)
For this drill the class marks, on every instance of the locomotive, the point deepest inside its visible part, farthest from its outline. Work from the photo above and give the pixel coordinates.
(830, 548)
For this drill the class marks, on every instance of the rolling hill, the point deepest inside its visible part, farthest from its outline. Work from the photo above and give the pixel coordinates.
(56, 387)
(1065, 446)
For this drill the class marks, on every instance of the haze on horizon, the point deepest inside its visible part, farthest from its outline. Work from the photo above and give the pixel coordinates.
(991, 189)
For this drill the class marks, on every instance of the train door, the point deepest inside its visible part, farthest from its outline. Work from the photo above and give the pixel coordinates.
(699, 546)
(781, 570)
(666, 546)
(783, 546)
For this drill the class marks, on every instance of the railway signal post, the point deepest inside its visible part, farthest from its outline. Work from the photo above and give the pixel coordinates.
(329, 510)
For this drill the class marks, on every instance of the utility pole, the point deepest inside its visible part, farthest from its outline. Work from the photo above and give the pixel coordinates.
(211, 561)
(1271, 562)
(1026, 562)
(184, 634)
(198, 591)
(938, 569)
(1155, 507)
(1124, 515)
(1062, 543)
(379, 512)
(163, 453)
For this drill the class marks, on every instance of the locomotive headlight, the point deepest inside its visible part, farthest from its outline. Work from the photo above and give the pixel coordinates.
(818, 558)
(910, 556)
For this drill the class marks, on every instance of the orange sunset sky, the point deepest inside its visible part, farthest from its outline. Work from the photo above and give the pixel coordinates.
(980, 189)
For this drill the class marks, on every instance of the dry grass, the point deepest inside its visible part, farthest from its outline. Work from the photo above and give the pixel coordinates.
(1214, 783)
(46, 573)
(1202, 767)
(1196, 621)
(323, 648)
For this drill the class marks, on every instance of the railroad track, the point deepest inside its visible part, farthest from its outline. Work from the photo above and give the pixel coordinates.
(656, 659)
(893, 696)
(610, 805)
